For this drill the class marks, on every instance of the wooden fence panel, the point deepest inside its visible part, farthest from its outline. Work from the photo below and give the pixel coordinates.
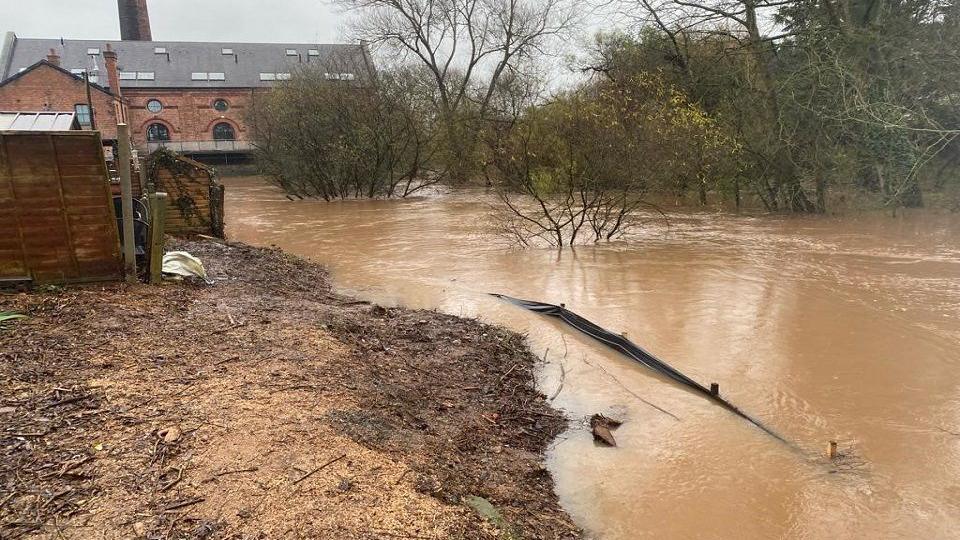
(55, 209)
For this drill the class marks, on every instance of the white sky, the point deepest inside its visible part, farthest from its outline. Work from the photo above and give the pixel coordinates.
(307, 21)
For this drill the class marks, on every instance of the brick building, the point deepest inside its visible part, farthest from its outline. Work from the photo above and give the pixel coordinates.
(189, 96)
(46, 86)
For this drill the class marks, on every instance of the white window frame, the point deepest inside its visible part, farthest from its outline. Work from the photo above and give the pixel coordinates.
(226, 51)
(159, 50)
(128, 75)
(216, 76)
(199, 76)
(347, 76)
(93, 51)
(283, 76)
(146, 76)
(268, 76)
(313, 52)
(292, 52)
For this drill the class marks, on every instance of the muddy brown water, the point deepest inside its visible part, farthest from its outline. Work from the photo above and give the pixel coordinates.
(823, 328)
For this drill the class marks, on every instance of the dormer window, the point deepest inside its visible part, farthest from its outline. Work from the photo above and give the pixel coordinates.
(268, 76)
(292, 52)
(145, 75)
(93, 51)
(313, 52)
(128, 75)
(159, 50)
(198, 76)
(218, 77)
(226, 50)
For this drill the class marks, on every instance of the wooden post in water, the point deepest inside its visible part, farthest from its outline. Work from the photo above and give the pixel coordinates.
(126, 202)
(832, 450)
(158, 217)
(714, 389)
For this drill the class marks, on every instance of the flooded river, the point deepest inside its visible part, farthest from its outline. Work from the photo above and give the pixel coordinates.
(844, 329)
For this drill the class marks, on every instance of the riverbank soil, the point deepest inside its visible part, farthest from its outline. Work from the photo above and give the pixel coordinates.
(265, 406)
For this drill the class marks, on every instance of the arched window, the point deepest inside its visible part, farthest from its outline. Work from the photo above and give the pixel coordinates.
(224, 132)
(157, 133)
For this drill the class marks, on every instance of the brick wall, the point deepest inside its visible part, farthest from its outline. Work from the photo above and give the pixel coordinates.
(46, 88)
(188, 113)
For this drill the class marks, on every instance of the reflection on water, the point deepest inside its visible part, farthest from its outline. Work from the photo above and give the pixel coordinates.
(844, 329)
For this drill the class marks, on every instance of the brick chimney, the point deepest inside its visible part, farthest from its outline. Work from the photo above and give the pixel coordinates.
(110, 64)
(134, 20)
(53, 57)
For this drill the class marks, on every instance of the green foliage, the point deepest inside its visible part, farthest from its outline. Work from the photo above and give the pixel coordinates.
(855, 99)
(7, 316)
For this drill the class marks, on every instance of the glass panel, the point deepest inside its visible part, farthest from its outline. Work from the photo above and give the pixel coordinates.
(128, 75)
(83, 114)
(223, 132)
(268, 77)
(283, 76)
(145, 75)
(217, 77)
(291, 52)
(160, 50)
(226, 51)
(198, 76)
(313, 52)
(154, 106)
(221, 105)
(93, 51)
(157, 132)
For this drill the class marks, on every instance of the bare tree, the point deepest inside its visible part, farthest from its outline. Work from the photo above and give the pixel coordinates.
(319, 136)
(467, 47)
(579, 167)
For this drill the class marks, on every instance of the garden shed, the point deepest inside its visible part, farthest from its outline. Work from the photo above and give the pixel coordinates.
(56, 215)
(194, 196)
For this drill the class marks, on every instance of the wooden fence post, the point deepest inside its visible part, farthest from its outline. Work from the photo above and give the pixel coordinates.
(126, 203)
(158, 218)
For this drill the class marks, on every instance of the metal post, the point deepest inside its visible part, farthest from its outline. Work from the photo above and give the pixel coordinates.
(158, 216)
(126, 199)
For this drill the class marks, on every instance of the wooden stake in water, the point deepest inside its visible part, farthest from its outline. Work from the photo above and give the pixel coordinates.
(714, 389)
(832, 450)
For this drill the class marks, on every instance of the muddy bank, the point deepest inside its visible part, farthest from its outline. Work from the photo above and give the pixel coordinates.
(266, 406)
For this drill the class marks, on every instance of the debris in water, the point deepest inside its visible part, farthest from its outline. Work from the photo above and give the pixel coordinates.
(635, 352)
(602, 426)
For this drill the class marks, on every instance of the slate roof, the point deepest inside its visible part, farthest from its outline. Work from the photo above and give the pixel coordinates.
(38, 121)
(175, 68)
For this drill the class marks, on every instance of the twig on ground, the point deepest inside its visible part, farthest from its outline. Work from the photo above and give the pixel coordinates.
(311, 473)
(183, 503)
(237, 471)
(66, 401)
